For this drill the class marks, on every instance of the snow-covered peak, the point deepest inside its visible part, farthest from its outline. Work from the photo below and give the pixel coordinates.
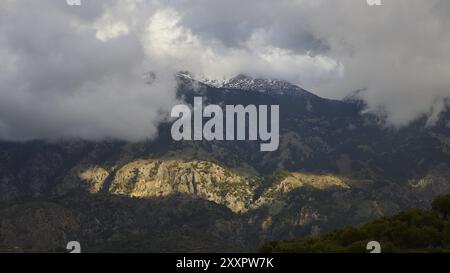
(244, 82)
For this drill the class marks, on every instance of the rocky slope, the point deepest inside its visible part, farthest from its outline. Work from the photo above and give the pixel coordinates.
(159, 178)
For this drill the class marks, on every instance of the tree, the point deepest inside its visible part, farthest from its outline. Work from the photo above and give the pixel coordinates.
(442, 205)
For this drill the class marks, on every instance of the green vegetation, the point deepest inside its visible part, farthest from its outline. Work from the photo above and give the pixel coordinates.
(442, 205)
(409, 231)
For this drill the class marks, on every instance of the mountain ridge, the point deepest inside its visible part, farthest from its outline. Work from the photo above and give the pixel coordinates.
(244, 82)
(335, 166)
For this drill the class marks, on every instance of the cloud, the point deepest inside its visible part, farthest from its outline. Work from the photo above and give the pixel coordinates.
(70, 74)
(399, 52)
(171, 42)
(78, 71)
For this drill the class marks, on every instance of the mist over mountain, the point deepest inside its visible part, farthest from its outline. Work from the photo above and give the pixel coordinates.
(336, 165)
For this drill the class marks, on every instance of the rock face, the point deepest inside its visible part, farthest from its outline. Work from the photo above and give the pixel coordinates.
(296, 180)
(434, 183)
(198, 179)
(209, 181)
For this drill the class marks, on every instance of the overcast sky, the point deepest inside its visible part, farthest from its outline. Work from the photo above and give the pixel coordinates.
(78, 71)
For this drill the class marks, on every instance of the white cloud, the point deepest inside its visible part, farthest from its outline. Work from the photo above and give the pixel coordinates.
(62, 81)
(108, 31)
(171, 42)
(398, 51)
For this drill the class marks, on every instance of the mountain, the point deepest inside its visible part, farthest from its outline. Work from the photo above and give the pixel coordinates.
(336, 166)
(247, 83)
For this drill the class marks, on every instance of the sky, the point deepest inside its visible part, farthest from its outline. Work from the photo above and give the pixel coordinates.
(79, 71)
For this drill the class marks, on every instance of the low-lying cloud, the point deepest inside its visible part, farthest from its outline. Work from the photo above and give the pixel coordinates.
(79, 71)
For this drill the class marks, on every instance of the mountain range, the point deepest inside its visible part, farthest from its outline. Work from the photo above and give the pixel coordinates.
(336, 165)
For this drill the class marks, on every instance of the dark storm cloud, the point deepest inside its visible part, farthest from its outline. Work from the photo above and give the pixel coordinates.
(233, 22)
